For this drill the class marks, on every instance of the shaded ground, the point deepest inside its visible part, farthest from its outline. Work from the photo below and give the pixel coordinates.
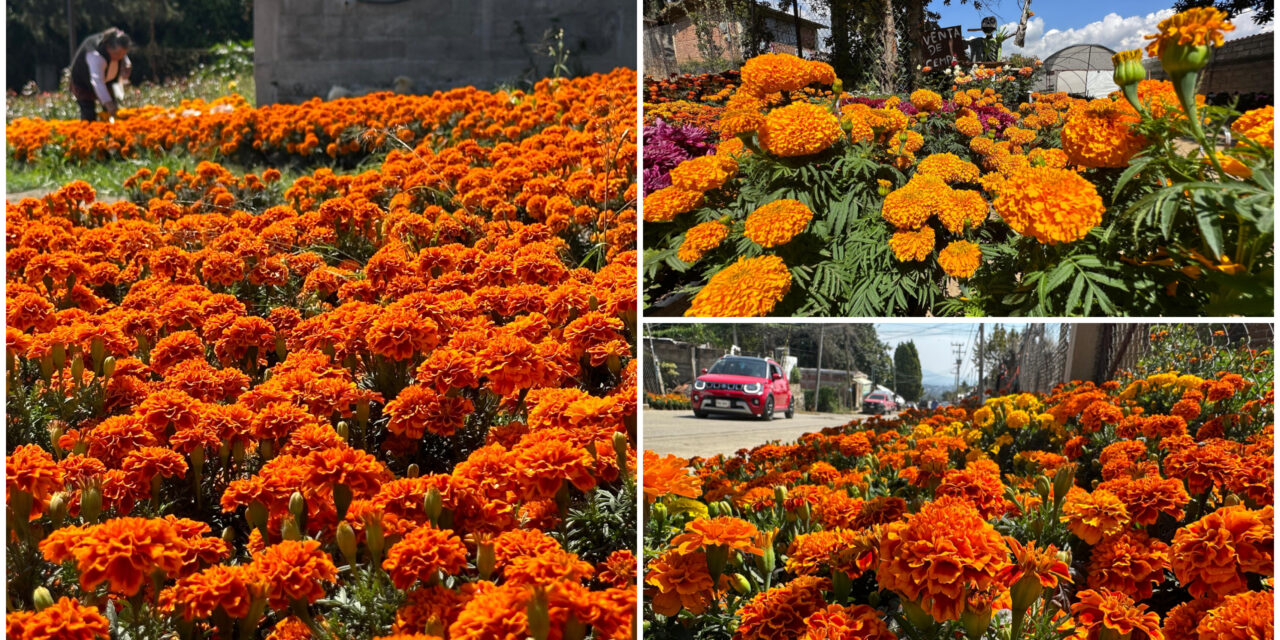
(683, 434)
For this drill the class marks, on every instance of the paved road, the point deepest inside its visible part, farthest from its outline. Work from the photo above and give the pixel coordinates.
(682, 434)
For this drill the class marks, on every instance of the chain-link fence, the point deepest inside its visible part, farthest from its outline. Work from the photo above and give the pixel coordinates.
(1052, 354)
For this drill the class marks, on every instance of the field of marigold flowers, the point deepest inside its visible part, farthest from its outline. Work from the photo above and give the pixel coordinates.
(392, 404)
(785, 195)
(1139, 508)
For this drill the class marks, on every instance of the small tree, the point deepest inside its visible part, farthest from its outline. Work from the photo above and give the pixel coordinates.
(907, 373)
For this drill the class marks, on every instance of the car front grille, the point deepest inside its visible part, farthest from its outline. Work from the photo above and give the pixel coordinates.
(723, 386)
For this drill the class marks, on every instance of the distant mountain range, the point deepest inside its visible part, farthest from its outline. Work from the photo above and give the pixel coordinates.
(934, 379)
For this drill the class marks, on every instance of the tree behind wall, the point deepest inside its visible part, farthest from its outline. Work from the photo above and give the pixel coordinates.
(907, 373)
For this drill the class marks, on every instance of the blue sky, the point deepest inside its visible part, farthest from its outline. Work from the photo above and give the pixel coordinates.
(1059, 23)
(933, 343)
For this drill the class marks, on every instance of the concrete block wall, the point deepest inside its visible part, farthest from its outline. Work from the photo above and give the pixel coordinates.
(1244, 66)
(302, 48)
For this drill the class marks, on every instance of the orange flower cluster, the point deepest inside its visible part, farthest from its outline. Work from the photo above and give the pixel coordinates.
(420, 366)
(937, 556)
(795, 538)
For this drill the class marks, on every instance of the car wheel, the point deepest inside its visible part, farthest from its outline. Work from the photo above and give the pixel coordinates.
(699, 414)
(791, 408)
(767, 415)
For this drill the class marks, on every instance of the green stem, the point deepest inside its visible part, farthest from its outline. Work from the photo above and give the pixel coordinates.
(1185, 86)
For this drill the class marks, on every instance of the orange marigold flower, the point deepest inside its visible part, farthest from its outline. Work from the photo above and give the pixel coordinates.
(665, 204)
(777, 222)
(32, 470)
(1212, 555)
(700, 239)
(949, 167)
(912, 246)
(423, 555)
(1130, 562)
(295, 571)
(799, 129)
(724, 531)
(123, 552)
(963, 210)
(781, 611)
(669, 475)
(1147, 497)
(775, 72)
(926, 100)
(911, 205)
(1050, 205)
(1258, 125)
(1104, 613)
(419, 409)
(619, 569)
(938, 555)
(960, 259)
(1181, 621)
(750, 287)
(1243, 616)
(1099, 134)
(1093, 516)
(401, 333)
(680, 581)
(969, 125)
(65, 619)
(704, 173)
(854, 622)
(1199, 26)
(197, 596)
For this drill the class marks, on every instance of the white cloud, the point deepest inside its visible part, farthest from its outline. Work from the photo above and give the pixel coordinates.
(1113, 31)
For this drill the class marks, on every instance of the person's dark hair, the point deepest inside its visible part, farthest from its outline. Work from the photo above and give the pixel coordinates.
(117, 39)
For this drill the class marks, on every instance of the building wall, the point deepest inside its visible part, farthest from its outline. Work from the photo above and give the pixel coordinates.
(302, 48)
(684, 36)
(1242, 66)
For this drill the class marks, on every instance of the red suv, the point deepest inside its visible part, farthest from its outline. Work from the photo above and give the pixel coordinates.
(743, 386)
(878, 402)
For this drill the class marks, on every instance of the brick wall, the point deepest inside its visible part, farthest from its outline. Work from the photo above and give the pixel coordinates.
(669, 45)
(304, 47)
(1243, 66)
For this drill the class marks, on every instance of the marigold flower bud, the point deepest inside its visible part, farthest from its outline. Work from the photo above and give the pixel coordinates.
(42, 598)
(347, 542)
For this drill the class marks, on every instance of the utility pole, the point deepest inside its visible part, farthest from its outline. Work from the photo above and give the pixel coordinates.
(71, 36)
(817, 385)
(959, 348)
(982, 387)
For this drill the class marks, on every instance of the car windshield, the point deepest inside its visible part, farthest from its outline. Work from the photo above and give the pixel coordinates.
(740, 367)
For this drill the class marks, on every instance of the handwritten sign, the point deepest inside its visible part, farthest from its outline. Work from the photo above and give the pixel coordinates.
(942, 46)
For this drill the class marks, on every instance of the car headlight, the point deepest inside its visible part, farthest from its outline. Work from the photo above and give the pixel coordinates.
(699, 385)
(754, 387)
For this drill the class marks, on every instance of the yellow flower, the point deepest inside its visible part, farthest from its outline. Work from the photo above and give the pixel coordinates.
(750, 287)
(778, 222)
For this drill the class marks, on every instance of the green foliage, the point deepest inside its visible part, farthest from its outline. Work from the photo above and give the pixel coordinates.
(601, 522)
(829, 400)
(907, 373)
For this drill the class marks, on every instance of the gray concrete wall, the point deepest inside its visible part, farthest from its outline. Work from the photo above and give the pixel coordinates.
(304, 47)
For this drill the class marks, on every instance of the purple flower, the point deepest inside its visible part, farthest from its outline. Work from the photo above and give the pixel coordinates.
(666, 146)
